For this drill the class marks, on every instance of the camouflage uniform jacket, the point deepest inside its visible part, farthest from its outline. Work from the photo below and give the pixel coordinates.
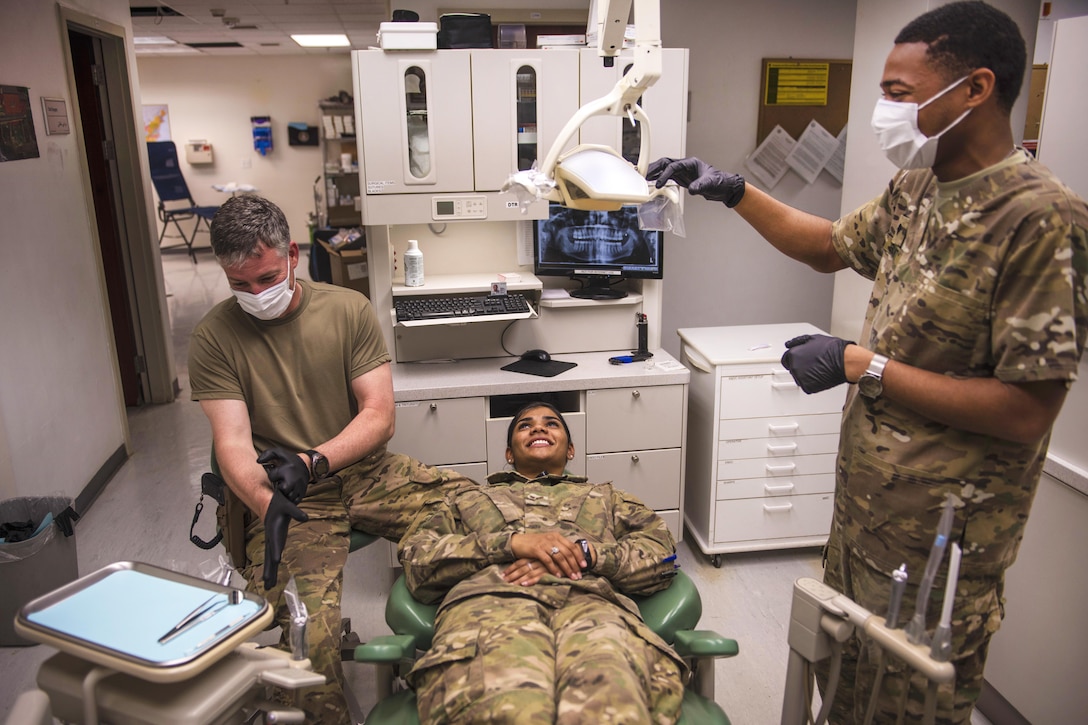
(459, 546)
(980, 277)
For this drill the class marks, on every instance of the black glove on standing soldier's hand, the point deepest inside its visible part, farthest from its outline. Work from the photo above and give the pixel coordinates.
(698, 177)
(287, 471)
(816, 361)
(276, 521)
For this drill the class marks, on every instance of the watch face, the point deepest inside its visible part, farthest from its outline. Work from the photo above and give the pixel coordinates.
(870, 386)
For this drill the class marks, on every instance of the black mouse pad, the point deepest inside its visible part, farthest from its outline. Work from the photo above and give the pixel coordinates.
(544, 369)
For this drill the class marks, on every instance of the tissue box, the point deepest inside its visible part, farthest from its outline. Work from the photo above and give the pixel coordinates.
(408, 36)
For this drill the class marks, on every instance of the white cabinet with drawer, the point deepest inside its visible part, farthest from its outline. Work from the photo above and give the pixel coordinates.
(761, 453)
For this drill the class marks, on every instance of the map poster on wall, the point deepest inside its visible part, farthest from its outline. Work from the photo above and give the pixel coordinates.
(17, 138)
(156, 123)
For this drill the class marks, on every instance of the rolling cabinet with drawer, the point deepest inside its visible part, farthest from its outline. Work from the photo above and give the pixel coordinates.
(761, 453)
(635, 438)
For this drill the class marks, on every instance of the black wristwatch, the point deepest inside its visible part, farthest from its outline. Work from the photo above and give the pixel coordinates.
(586, 554)
(319, 465)
(871, 382)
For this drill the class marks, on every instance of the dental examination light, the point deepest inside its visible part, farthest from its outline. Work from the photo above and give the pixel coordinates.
(592, 177)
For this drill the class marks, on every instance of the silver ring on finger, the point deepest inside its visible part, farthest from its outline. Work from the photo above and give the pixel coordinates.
(555, 550)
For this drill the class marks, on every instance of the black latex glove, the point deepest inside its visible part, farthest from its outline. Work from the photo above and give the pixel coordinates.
(276, 520)
(698, 177)
(287, 471)
(816, 361)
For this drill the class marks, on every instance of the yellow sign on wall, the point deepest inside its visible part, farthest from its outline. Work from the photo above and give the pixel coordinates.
(796, 84)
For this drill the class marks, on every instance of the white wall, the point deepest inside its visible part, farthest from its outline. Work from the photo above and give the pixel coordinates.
(723, 273)
(214, 98)
(61, 415)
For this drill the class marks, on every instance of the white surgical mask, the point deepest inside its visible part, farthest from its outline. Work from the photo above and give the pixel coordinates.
(269, 304)
(896, 126)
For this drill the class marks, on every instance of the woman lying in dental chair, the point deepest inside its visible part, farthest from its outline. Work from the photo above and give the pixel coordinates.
(534, 624)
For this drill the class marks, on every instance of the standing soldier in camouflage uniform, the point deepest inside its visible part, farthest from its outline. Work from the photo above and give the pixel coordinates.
(532, 628)
(297, 373)
(977, 321)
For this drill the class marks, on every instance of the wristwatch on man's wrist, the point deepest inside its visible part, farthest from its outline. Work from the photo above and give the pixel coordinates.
(871, 382)
(319, 465)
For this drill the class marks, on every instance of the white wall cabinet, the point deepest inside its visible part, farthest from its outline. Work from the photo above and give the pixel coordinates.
(761, 453)
(443, 130)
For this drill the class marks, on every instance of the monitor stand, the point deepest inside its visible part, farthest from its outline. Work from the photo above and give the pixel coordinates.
(598, 288)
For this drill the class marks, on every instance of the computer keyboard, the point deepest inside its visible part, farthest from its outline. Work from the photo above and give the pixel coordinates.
(417, 309)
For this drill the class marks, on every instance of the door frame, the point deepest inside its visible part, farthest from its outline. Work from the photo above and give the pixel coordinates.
(136, 209)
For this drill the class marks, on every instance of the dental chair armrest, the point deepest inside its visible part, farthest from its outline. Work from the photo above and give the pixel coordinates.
(704, 643)
(390, 648)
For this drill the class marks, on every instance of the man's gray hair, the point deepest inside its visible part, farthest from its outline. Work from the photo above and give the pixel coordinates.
(244, 225)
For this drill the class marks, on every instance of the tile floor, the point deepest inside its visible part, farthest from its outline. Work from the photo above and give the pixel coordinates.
(145, 510)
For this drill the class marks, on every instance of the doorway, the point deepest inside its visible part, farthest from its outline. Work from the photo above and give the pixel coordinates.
(105, 120)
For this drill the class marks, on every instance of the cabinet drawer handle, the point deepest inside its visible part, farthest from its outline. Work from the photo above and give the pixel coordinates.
(636, 394)
(783, 385)
(788, 488)
(634, 458)
(434, 407)
(788, 448)
(787, 468)
(788, 428)
(778, 508)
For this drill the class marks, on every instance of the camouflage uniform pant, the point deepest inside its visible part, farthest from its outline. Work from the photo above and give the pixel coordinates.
(379, 495)
(976, 616)
(509, 659)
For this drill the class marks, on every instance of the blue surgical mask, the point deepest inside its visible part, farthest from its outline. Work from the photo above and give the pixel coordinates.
(896, 126)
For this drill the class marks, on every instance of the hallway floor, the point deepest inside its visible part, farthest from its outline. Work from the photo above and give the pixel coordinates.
(145, 511)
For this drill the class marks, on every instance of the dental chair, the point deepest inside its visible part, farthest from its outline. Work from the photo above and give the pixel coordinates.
(672, 613)
(171, 189)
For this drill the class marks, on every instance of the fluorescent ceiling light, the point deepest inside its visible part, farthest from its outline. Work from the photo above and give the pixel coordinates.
(322, 41)
(153, 40)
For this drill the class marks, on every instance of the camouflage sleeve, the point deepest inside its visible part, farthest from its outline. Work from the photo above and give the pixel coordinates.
(1040, 308)
(859, 236)
(635, 562)
(436, 553)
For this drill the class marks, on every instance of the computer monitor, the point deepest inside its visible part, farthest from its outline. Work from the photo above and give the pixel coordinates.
(597, 248)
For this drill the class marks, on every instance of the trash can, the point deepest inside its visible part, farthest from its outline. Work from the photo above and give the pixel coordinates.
(37, 555)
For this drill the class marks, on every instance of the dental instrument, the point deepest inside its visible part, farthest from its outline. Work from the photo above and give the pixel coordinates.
(942, 637)
(899, 583)
(916, 629)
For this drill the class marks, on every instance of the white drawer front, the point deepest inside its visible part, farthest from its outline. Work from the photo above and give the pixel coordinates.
(774, 395)
(775, 487)
(776, 467)
(777, 447)
(780, 426)
(772, 518)
(441, 431)
(653, 476)
(631, 419)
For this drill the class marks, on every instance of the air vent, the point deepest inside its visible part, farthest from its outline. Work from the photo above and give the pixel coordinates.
(153, 11)
(244, 27)
(215, 45)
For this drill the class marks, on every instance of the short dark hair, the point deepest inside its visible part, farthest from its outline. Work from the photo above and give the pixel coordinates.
(963, 36)
(246, 223)
(530, 406)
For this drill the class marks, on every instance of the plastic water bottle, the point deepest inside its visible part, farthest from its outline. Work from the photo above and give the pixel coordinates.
(413, 265)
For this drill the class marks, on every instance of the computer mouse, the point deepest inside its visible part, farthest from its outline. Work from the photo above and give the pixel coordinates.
(536, 355)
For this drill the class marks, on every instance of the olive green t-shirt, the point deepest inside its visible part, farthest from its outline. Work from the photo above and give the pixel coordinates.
(986, 276)
(293, 373)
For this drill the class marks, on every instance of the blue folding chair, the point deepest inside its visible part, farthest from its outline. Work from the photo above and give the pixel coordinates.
(171, 188)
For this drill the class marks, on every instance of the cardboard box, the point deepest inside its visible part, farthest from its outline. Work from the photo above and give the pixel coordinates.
(349, 268)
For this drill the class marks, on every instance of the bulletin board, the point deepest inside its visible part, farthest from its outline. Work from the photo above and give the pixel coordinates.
(795, 91)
